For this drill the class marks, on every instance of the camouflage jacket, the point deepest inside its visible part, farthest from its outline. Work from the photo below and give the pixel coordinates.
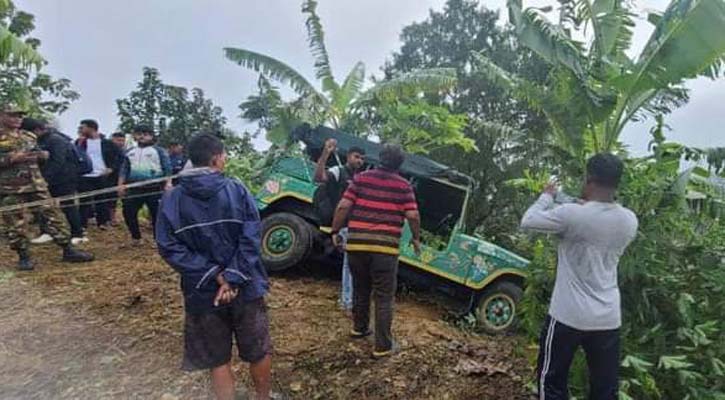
(18, 178)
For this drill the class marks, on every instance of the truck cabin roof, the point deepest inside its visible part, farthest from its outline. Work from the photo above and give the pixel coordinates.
(414, 165)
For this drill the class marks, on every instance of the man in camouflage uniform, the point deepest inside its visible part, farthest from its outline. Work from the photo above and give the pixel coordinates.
(21, 182)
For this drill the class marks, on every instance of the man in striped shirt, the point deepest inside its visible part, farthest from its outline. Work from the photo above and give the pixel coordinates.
(375, 206)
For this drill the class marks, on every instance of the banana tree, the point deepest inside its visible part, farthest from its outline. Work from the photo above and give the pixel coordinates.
(594, 88)
(337, 104)
(13, 50)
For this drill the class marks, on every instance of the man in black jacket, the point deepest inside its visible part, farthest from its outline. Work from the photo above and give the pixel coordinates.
(59, 171)
(106, 158)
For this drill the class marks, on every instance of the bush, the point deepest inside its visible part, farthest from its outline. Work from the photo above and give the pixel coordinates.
(243, 169)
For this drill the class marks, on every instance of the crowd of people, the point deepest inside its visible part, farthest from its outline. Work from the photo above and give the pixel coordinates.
(96, 166)
(207, 228)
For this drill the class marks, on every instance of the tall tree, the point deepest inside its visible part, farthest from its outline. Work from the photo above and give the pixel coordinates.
(169, 110)
(14, 50)
(21, 78)
(594, 88)
(339, 104)
(275, 117)
(449, 39)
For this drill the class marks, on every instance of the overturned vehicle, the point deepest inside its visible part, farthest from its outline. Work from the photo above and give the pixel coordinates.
(488, 278)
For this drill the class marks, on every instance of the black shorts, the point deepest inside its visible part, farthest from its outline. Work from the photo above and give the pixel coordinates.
(208, 337)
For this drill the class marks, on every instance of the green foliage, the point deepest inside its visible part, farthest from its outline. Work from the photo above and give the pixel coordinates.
(243, 169)
(15, 49)
(507, 132)
(593, 92)
(275, 117)
(174, 112)
(39, 93)
(243, 160)
(433, 241)
(421, 127)
(716, 159)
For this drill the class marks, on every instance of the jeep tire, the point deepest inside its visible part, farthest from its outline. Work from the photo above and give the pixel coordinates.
(286, 241)
(497, 308)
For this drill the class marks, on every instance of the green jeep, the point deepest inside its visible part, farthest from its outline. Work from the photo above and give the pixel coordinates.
(487, 277)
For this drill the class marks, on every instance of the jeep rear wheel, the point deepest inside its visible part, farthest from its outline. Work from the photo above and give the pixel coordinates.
(497, 311)
(286, 241)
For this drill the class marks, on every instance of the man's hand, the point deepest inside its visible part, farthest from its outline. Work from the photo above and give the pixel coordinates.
(551, 188)
(43, 155)
(226, 293)
(122, 189)
(330, 146)
(168, 186)
(416, 246)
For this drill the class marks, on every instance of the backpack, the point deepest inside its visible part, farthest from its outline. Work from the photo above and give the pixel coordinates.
(328, 195)
(82, 160)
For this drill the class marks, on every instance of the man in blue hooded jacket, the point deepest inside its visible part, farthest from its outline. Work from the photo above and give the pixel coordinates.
(208, 230)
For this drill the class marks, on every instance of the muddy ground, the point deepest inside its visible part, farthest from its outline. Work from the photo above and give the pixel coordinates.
(112, 329)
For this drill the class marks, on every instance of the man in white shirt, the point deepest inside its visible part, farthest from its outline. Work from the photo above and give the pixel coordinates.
(106, 158)
(585, 304)
(334, 182)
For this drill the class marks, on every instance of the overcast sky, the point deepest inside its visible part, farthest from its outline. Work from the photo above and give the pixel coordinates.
(103, 45)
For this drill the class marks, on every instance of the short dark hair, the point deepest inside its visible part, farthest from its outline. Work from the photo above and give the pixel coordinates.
(91, 123)
(392, 156)
(174, 143)
(142, 128)
(203, 147)
(119, 135)
(605, 169)
(31, 124)
(356, 149)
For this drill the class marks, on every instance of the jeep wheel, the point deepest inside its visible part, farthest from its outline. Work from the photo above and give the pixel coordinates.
(496, 311)
(286, 241)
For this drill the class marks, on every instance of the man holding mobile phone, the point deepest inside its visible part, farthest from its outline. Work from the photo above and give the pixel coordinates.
(585, 304)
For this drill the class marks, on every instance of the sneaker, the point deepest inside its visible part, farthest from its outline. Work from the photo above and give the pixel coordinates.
(72, 255)
(386, 353)
(79, 240)
(360, 334)
(42, 239)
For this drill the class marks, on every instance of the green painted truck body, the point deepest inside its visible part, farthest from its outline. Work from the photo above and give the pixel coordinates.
(468, 261)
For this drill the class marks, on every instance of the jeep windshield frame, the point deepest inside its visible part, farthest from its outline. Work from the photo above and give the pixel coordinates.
(415, 166)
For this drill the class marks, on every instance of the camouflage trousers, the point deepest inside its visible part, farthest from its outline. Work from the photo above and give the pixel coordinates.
(15, 224)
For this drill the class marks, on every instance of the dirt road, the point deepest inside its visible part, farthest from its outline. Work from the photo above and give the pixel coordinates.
(112, 330)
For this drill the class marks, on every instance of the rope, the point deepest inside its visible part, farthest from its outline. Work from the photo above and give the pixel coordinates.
(110, 199)
(55, 201)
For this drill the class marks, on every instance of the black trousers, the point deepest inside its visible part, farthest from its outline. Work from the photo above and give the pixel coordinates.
(69, 208)
(557, 346)
(375, 274)
(99, 204)
(134, 201)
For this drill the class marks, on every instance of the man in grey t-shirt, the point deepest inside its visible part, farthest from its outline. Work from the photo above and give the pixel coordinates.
(585, 305)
